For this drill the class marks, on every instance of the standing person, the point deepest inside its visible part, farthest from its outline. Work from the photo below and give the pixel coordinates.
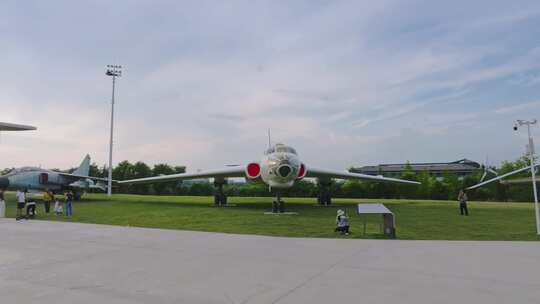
(2, 204)
(69, 203)
(47, 199)
(462, 198)
(21, 201)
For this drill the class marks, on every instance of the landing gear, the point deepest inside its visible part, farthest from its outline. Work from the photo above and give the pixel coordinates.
(278, 206)
(324, 198)
(220, 198)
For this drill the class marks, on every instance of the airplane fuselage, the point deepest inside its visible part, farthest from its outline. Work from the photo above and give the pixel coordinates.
(39, 179)
(281, 167)
(32, 178)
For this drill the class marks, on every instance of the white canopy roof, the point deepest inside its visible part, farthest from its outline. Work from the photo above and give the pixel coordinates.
(4, 126)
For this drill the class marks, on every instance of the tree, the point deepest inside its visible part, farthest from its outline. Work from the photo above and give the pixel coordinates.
(407, 190)
(123, 171)
(166, 187)
(141, 170)
(453, 185)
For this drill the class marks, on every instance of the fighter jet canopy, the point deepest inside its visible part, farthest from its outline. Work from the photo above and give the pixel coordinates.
(281, 148)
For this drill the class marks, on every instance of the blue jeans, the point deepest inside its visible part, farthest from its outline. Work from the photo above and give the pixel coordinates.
(69, 208)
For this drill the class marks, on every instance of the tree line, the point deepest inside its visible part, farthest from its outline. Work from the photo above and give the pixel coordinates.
(445, 187)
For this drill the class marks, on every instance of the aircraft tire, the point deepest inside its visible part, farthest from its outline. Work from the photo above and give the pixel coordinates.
(327, 199)
(223, 200)
(274, 207)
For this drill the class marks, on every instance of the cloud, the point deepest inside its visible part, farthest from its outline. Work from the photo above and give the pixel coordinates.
(517, 108)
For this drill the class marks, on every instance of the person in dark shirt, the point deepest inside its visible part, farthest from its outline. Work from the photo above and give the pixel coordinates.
(69, 203)
(462, 198)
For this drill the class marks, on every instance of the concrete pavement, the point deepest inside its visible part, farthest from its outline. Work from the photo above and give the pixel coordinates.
(53, 262)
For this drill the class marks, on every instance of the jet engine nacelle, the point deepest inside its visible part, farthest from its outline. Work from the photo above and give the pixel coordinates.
(253, 170)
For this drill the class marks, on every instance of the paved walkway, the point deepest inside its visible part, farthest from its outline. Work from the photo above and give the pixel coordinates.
(52, 262)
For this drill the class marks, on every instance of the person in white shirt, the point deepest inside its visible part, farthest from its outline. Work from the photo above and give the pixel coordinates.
(21, 201)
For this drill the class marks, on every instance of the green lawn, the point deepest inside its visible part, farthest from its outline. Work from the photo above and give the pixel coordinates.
(415, 219)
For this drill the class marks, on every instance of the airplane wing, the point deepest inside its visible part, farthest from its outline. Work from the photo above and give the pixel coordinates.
(4, 126)
(325, 173)
(237, 171)
(500, 177)
(76, 176)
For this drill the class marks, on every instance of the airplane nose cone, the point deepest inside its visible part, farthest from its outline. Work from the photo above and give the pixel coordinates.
(284, 170)
(4, 182)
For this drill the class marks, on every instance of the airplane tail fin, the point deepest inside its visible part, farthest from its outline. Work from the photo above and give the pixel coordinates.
(84, 167)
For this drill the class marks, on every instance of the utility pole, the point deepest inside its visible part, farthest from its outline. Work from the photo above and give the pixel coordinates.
(114, 71)
(530, 151)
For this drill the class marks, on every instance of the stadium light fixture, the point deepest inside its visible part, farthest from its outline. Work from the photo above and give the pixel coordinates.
(113, 71)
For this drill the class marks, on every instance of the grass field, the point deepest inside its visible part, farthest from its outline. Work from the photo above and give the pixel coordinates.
(415, 219)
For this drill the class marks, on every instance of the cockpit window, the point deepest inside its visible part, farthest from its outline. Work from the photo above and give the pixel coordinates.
(283, 149)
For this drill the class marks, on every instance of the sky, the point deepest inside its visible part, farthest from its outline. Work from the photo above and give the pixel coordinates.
(347, 83)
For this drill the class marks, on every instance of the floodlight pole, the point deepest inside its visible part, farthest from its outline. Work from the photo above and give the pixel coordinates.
(530, 151)
(114, 71)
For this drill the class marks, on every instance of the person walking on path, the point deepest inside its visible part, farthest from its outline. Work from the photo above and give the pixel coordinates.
(69, 203)
(21, 201)
(462, 198)
(48, 197)
(2, 204)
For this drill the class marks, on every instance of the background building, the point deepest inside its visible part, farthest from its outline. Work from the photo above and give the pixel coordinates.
(460, 167)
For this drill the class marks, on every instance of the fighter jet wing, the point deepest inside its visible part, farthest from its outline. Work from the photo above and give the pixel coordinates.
(325, 173)
(218, 173)
(76, 177)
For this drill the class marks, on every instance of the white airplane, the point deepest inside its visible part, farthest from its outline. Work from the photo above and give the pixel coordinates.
(279, 168)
